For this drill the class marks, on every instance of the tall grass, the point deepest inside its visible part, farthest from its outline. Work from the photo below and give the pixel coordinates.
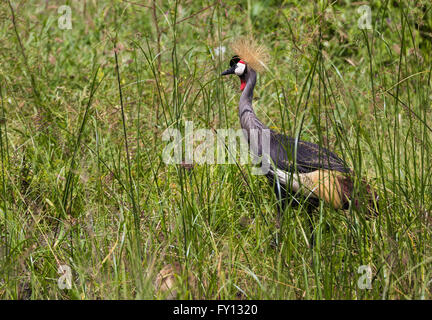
(83, 181)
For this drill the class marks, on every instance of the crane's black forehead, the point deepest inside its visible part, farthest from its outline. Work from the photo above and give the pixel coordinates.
(234, 60)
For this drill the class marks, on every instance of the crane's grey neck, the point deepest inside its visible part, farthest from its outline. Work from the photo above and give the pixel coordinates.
(248, 119)
(254, 130)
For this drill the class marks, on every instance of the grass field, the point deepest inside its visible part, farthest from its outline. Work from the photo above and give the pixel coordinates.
(84, 187)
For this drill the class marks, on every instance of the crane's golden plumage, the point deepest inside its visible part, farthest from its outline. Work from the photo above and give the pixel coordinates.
(254, 54)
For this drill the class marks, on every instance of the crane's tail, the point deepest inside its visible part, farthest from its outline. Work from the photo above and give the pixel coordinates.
(363, 196)
(339, 190)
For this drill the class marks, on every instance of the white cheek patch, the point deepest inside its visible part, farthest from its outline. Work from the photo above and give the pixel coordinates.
(239, 70)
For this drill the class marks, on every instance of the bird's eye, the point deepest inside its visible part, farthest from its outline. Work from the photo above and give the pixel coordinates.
(234, 60)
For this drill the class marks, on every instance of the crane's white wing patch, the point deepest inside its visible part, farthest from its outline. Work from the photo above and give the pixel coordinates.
(288, 179)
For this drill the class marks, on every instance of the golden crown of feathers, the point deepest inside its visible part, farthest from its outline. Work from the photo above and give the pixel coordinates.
(252, 53)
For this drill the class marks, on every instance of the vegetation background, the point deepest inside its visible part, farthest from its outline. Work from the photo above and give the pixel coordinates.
(82, 179)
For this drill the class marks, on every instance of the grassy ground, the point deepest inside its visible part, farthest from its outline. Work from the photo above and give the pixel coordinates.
(83, 183)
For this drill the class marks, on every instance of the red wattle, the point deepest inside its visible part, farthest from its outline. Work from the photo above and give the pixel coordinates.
(242, 84)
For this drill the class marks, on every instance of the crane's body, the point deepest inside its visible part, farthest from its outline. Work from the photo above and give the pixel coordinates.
(297, 167)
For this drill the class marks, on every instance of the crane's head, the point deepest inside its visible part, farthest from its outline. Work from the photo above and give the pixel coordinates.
(250, 57)
(238, 67)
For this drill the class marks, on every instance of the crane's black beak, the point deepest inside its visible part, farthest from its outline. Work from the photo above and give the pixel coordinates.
(229, 71)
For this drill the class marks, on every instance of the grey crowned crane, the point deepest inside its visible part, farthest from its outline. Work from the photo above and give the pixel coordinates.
(316, 173)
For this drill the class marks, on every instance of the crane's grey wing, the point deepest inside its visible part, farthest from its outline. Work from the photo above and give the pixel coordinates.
(309, 157)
